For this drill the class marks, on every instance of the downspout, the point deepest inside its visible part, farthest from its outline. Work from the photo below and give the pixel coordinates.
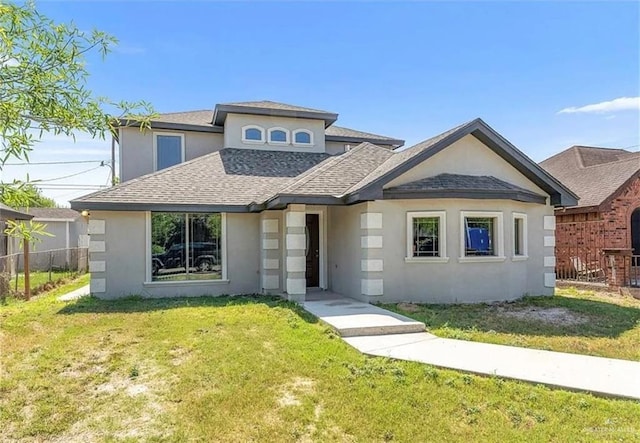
(113, 160)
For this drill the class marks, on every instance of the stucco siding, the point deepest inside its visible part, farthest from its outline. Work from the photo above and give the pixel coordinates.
(467, 156)
(344, 249)
(136, 149)
(125, 256)
(234, 123)
(455, 281)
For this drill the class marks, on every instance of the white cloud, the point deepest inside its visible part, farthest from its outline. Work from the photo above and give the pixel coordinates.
(615, 105)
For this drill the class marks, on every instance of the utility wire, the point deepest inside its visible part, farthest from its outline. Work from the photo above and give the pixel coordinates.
(68, 176)
(54, 163)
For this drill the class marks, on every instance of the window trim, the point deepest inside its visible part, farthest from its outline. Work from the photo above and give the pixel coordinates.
(224, 278)
(499, 237)
(155, 146)
(304, 131)
(277, 128)
(442, 237)
(246, 140)
(525, 234)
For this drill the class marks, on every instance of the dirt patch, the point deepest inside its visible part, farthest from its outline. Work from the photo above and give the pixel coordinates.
(552, 316)
(409, 307)
(179, 356)
(292, 391)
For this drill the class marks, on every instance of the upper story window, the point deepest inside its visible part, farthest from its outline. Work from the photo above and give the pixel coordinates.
(168, 150)
(302, 137)
(253, 134)
(278, 135)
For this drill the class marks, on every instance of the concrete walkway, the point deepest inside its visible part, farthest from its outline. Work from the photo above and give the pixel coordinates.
(73, 295)
(603, 376)
(351, 317)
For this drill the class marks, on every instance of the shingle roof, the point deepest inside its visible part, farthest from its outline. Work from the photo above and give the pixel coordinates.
(236, 177)
(52, 213)
(470, 184)
(204, 117)
(338, 175)
(268, 104)
(8, 213)
(594, 174)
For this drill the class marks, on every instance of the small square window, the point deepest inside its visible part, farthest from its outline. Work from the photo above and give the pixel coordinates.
(479, 236)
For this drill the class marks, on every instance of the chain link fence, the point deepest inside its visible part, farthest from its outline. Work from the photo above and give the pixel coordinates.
(44, 267)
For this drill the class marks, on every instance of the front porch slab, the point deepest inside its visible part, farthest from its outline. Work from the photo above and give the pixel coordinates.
(353, 318)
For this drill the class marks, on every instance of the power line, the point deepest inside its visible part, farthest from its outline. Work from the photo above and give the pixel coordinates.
(68, 176)
(54, 163)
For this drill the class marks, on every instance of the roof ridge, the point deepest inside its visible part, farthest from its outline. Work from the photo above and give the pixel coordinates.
(621, 160)
(313, 172)
(186, 112)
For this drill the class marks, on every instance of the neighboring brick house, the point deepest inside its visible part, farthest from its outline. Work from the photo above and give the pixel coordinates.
(607, 217)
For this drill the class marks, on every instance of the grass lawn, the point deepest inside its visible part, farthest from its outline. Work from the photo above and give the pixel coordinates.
(37, 279)
(577, 321)
(254, 369)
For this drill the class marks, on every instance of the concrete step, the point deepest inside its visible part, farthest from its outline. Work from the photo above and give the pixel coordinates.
(352, 318)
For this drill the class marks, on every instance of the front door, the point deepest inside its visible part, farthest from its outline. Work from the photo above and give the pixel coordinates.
(313, 250)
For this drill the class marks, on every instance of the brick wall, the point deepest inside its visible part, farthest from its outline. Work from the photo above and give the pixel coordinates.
(585, 235)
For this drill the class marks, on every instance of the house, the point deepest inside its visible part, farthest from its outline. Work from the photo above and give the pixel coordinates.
(8, 245)
(67, 231)
(607, 215)
(264, 197)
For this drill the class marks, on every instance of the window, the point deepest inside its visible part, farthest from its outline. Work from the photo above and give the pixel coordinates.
(426, 239)
(302, 137)
(520, 236)
(253, 134)
(278, 135)
(482, 236)
(169, 150)
(186, 246)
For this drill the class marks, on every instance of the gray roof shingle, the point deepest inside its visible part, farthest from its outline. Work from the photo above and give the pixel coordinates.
(459, 182)
(235, 177)
(268, 104)
(594, 174)
(52, 213)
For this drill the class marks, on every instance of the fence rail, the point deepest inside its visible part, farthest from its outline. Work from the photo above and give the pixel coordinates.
(44, 267)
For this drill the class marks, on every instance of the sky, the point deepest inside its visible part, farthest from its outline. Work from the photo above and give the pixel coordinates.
(546, 75)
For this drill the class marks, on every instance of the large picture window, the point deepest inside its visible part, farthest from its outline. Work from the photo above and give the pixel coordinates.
(186, 246)
(426, 240)
(169, 150)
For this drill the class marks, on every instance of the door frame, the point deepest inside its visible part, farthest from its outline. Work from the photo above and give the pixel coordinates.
(322, 220)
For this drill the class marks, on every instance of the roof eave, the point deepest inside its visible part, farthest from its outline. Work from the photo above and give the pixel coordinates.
(80, 205)
(173, 126)
(221, 111)
(396, 143)
(475, 194)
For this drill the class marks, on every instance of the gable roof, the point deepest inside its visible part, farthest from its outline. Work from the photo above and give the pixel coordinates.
(594, 174)
(240, 180)
(52, 213)
(266, 107)
(371, 186)
(8, 213)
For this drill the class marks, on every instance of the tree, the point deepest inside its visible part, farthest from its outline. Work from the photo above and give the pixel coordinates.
(25, 195)
(43, 89)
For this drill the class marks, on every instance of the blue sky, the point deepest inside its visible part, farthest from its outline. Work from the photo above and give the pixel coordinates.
(407, 70)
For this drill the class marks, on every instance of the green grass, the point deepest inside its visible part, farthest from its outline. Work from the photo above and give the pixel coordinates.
(254, 369)
(37, 279)
(586, 322)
